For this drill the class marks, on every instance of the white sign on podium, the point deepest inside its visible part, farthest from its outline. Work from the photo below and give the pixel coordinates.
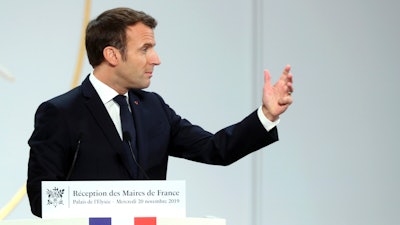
(73, 199)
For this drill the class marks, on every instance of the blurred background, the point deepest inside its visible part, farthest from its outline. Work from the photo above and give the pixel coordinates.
(337, 161)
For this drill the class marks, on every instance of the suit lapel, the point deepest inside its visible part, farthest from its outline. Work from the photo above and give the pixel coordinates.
(100, 114)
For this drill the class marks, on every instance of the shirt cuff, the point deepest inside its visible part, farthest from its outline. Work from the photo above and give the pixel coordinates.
(268, 125)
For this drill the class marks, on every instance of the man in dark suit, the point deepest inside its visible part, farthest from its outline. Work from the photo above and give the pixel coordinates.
(79, 135)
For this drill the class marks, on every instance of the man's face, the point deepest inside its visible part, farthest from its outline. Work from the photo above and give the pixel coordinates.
(137, 68)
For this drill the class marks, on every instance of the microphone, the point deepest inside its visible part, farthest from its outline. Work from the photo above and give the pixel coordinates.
(127, 137)
(78, 145)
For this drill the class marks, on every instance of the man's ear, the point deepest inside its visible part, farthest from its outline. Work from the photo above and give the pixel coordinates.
(111, 55)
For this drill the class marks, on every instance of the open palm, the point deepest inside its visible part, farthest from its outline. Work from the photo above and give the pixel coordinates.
(277, 98)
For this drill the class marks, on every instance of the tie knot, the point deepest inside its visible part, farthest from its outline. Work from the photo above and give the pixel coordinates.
(121, 100)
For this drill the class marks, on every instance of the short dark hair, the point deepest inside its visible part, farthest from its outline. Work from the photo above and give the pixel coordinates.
(109, 29)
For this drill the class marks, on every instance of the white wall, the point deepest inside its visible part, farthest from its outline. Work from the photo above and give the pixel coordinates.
(336, 162)
(338, 158)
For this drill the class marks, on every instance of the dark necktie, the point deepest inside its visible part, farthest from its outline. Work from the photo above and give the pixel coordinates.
(128, 131)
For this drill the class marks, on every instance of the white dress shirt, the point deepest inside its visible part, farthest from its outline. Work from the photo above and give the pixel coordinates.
(106, 95)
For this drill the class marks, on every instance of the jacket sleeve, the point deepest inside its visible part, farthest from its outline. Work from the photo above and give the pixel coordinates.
(222, 148)
(49, 149)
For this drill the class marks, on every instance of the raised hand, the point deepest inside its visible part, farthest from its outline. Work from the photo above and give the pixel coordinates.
(277, 98)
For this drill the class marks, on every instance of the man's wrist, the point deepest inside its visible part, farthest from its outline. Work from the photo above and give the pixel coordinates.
(268, 115)
(265, 121)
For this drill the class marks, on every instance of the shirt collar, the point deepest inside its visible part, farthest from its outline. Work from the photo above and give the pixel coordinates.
(105, 92)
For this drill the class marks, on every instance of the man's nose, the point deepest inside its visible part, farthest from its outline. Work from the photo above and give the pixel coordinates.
(154, 59)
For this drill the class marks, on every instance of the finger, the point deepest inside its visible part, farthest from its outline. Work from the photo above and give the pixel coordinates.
(288, 80)
(290, 77)
(287, 69)
(267, 78)
(286, 75)
(290, 88)
(287, 100)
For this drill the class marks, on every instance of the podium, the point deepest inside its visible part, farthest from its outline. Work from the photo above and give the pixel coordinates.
(85, 221)
(114, 203)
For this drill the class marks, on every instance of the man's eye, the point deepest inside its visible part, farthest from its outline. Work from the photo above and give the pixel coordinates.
(144, 49)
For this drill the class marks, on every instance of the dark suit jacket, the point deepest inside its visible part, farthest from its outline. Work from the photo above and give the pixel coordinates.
(80, 116)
